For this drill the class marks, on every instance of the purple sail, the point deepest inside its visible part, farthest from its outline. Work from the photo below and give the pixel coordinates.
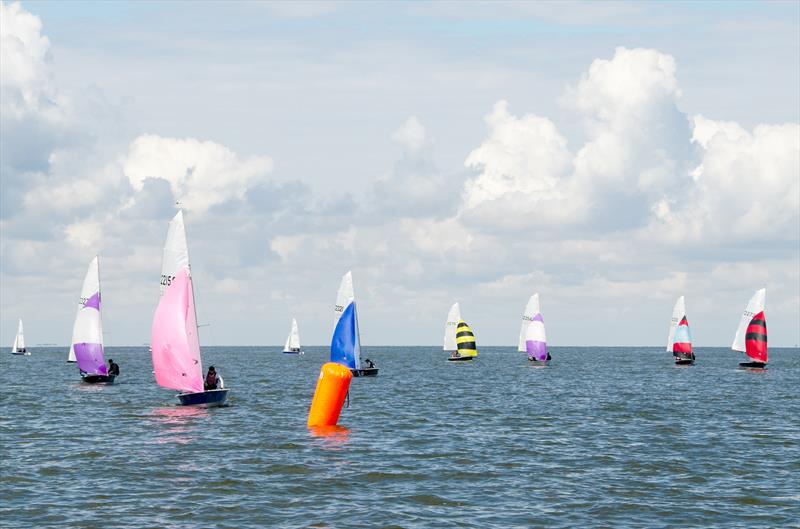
(90, 358)
(535, 339)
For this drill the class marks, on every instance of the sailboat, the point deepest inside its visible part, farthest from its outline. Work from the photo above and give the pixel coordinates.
(751, 335)
(86, 347)
(174, 338)
(19, 342)
(293, 341)
(679, 341)
(346, 340)
(532, 338)
(459, 340)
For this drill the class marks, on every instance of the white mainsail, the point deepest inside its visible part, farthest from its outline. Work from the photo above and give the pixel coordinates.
(293, 340)
(678, 312)
(756, 304)
(176, 251)
(453, 317)
(344, 297)
(88, 326)
(531, 310)
(19, 339)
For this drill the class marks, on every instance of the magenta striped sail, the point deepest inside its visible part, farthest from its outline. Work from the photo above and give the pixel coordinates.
(174, 342)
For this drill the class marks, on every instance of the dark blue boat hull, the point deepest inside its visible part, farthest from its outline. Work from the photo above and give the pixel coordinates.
(366, 372)
(213, 397)
(98, 379)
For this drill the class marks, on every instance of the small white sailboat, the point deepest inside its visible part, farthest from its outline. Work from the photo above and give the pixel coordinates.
(679, 340)
(19, 342)
(174, 341)
(292, 346)
(751, 335)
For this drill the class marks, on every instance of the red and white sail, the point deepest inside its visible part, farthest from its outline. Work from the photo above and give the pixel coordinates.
(751, 335)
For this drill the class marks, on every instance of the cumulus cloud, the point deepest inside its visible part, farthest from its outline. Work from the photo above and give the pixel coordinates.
(201, 174)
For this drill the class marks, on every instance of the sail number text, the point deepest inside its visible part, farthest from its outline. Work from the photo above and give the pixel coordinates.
(166, 280)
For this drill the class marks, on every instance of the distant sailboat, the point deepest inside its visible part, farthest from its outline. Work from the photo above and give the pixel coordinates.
(679, 341)
(459, 340)
(751, 335)
(19, 342)
(174, 341)
(346, 340)
(87, 332)
(293, 340)
(532, 338)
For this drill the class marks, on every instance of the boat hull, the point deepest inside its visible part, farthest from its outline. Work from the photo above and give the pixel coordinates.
(366, 372)
(535, 362)
(460, 358)
(752, 365)
(293, 352)
(98, 379)
(684, 361)
(26, 353)
(208, 399)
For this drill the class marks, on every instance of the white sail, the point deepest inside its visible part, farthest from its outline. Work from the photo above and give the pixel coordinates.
(453, 317)
(19, 339)
(176, 251)
(293, 340)
(756, 304)
(88, 326)
(344, 297)
(294, 336)
(678, 312)
(531, 310)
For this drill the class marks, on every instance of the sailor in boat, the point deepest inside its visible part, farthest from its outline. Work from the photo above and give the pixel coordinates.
(113, 369)
(212, 379)
(369, 363)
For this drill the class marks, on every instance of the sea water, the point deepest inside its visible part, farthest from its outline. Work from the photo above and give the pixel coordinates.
(602, 437)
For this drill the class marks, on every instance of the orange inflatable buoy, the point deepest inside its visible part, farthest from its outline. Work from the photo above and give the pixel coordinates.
(332, 386)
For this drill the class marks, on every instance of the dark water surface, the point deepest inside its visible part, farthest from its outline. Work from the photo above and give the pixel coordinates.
(604, 437)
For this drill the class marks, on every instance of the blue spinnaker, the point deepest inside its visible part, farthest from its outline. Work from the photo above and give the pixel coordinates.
(345, 347)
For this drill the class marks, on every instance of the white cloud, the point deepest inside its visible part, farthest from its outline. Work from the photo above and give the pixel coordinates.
(200, 173)
(26, 80)
(412, 135)
(85, 233)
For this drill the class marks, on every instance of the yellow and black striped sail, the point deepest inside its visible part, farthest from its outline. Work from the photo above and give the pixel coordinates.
(465, 340)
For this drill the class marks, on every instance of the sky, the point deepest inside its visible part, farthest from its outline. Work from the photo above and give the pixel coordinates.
(610, 156)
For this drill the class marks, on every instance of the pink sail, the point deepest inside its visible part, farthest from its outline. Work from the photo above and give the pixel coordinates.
(176, 350)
